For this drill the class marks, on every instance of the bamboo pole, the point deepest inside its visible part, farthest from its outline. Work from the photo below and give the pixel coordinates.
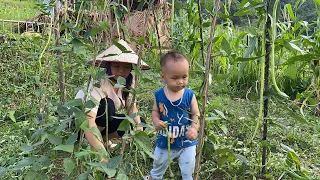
(205, 93)
(136, 78)
(201, 34)
(266, 87)
(61, 75)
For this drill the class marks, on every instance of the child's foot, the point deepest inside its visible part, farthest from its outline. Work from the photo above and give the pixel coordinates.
(148, 177)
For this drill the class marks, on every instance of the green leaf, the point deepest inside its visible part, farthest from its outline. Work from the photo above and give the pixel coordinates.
(24, 162)
(224, 129)
(37, 134)
(290, 11)
(72, 139)
(242, 159)
(121, 80)
(66, 148)
(45, 161)
(212, 118)
(291, 71)
(302, 58)
(85, 126)
(124, 125)
(296, 47)
(83, 176)
(32, 175)
(76, 43)
(221, 114)
(61, 127)
(101, 74)
(222, 160)
(121, 175)
(73, 103)
(92, 32)
(242, 59)
(54, 139)
(26, 147)
(293, 156)
(114, 162)
(110, 171)
(11, 116)
(84, 153)
(120, 46)
(286, 147)
(226, 46)
(3, 171)
(89, 104)
(144, 142)
(68, 165)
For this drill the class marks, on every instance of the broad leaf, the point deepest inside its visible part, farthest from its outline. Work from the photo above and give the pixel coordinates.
(72, 139)
(66, 148)
(73, 103)
(54, 139)
(89, 104)
(144, 142)
(121, 80)
(121, 47)
(302, 58)
(124, 125)
(26, 147)
(114, 162)
(68, 165)
(226, 46)
(121, 175)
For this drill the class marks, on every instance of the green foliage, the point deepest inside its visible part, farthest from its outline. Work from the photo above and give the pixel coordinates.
(18, 10)
(36, 141)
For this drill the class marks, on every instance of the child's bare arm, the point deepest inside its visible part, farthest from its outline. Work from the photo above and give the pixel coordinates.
(192, 133)
(195, 113)
(157, 122)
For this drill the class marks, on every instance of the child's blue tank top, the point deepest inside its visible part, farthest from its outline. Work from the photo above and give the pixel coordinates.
(178, 118)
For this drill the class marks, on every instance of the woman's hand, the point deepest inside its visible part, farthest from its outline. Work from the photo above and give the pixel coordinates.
(139, 128)
(159, 124)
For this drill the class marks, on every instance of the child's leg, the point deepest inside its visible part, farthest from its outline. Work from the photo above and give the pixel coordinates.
(187, 160)
(160, 165)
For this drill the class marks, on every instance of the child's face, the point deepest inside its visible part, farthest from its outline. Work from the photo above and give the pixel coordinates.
(120, 69)
(175, 74)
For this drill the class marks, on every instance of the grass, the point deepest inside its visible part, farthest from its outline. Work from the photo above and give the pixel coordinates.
(18, 9)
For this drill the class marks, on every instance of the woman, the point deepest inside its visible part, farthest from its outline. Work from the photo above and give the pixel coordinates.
(118, 64)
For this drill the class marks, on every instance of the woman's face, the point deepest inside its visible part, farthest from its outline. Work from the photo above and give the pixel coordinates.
(120, 69)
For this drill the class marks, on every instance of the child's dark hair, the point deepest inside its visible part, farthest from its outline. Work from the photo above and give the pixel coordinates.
(172, 56)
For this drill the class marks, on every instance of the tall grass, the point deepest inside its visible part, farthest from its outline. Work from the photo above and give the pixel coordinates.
(18, 10)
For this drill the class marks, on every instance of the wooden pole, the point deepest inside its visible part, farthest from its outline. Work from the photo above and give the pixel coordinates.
(205, 93)
(266, 87)
(61, 76)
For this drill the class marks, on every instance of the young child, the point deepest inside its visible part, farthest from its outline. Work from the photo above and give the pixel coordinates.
(175, 108)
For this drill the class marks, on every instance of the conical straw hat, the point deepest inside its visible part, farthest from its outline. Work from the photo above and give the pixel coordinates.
(120, 53)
